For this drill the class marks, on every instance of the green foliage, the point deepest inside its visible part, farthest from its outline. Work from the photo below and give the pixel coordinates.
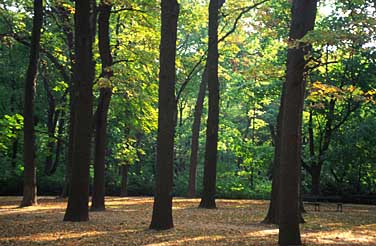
(10, 127)
(251, 71)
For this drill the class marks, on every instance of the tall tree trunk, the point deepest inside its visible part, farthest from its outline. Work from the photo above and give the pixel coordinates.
(98, 203)
(50, 127)
(162, 208)
(77, 209)
(303, 20)
(124, 181)
(69, 151)
(210, 168)
(272, 216)
(196, 134)
(30, 179)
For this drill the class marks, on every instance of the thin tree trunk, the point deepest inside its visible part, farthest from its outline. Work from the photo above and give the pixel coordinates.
(162, 208)
(98, 200)
(50, 128)
(303, 20)
(124, 181)
(196, 134)
(30, 179)
(77, 209)
(59, 143)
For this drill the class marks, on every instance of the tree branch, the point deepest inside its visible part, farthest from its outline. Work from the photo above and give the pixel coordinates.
(244, 11)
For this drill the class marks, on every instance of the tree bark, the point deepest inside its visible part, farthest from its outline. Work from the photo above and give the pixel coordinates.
(303, 20)
(272, 216)
(30, 179)
(196, 134)
(77, 209)
(51, 115)
(98, 200)
(69, 151)
(124, 181)
(162, 208)
(59, 143)
(315, 179)
(210, 168)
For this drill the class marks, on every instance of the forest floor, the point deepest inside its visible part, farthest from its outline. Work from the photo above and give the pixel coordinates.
(126, 221)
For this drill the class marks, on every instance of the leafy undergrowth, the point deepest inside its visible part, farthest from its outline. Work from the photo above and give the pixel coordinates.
(126, 221)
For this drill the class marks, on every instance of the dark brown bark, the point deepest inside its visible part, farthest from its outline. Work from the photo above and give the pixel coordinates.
(59, 143)
(272, 216)
(303, 20)
(124, 181)
(315, 179)
(98, 200)
(196, 134)
(162, 208)
(77, 209)
(30, 179)
(50, 127)
(210, 168)
(69, 77)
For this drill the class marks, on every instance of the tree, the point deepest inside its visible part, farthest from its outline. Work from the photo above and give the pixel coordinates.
(272, 217)
(103, 106)
(77, 209)
(162, 208)
(30, 179)
(210, 168)
(303, 20)
(201, 97)
(195, 134)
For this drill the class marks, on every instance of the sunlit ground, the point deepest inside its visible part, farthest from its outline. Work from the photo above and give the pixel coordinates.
(126, 221)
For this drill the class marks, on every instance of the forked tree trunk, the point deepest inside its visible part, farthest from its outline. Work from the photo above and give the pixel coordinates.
(303, 20)
(210, 168)
(162, 208)
(77, 209)
(98, 201)
(30, 179)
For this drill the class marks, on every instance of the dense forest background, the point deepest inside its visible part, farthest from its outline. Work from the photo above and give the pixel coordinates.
(339, 117)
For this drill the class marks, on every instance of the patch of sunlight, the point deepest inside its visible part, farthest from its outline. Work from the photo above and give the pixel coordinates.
(334, 224)
(43, 237)
(48, 237)
(267, 232)
(188, 240)
(4, 210)
(343, 237)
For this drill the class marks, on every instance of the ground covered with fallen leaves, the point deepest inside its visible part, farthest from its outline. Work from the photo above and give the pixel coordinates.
(126, 221)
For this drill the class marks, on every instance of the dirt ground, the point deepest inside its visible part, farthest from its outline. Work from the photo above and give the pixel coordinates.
(126, 221)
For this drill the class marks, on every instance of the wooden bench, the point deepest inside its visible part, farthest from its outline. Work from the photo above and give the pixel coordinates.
(316, 200)
(317, 207)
